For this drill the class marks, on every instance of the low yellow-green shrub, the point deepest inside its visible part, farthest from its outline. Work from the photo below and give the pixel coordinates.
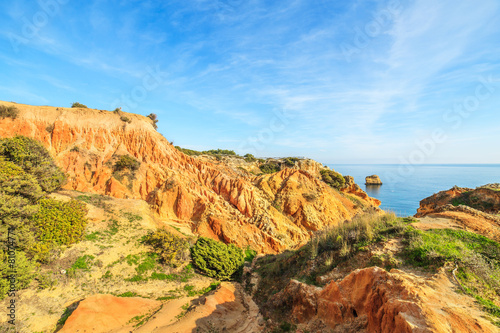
(172, 250)
(60, 222)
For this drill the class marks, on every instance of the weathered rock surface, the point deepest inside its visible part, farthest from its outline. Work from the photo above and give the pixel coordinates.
(352, 188)
(269, 213)
(374, 300)
(105, 313)
(228, 309)
(373, 180)
(473, 209)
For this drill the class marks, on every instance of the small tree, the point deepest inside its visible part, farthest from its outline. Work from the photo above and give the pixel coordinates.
(154, 118)
(78, 105)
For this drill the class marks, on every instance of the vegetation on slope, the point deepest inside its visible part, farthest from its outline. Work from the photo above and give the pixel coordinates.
(476, 201)
(35, 225)
(8, 112)
(216, 259)
(215, 152)
(173, 250)
(476, 259)
(35, 160)
(332, 178)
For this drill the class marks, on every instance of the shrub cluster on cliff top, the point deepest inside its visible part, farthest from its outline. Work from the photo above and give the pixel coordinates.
(8, 112)
(269, 168)
(332, 178)
(79, 105)
(216, 259)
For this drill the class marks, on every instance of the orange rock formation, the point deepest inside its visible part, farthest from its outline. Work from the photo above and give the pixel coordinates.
(104, 313)
(268, 213)
(454, 204)
(374, 300)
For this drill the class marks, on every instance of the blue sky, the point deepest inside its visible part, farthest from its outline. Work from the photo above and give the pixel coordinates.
(338, 81)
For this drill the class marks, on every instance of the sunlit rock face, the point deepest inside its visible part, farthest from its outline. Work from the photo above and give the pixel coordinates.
(268, 212)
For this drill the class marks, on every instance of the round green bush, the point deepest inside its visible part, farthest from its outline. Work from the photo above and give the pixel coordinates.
(217, 259)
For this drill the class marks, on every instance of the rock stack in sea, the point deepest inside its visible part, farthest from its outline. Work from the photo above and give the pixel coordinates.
(373, 180)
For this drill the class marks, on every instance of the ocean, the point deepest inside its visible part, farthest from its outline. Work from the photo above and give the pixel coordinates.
(405, 185)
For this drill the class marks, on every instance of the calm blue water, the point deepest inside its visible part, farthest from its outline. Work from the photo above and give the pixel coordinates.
(405, 185)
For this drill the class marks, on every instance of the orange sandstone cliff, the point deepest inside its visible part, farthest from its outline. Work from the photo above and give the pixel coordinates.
(216, 199)
(475, 210)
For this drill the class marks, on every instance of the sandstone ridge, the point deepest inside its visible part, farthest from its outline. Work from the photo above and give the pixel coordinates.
(214, 198)
(472, 209)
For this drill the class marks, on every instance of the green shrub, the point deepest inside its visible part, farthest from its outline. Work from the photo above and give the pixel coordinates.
(219, 152)
(290, 161)
(250, 254)
(32, 156)
(128, 294)
(78, 105)
(269, 168)
(332, 178)
(24, 272)
(250, 158)
(8, 112)
(19, 193)
(125, 119)
(154, 118)
(217, 259)
(172, 250)
(189, 152)
(14, 181)
(127, 162)
(61, 223)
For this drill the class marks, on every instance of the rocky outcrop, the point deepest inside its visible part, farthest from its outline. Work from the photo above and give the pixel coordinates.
(374, 300)
(352, 188)
(268, 213)
(373, 180)
(473, 209)
(106, 313)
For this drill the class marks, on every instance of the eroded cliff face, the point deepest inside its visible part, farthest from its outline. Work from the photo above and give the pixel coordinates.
(268, 213)
(374, 300)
